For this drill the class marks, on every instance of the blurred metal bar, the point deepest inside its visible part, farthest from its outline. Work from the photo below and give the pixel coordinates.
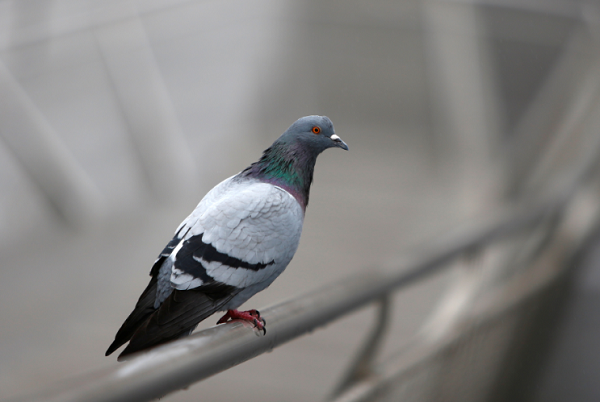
(147, 107)
(418, 363)
(177, 365)
(460, 294)
(43, 155)
(415, 364)
(43, 23)
(577, 129)
(576, 112)
(362, 367)
(535, 128)
(563, 8)
(467, 114)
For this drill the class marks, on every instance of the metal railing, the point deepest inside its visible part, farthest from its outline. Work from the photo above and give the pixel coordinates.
(177, 365)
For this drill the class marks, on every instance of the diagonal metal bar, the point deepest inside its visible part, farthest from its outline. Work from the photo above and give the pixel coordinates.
(147, 108)
(44, 157)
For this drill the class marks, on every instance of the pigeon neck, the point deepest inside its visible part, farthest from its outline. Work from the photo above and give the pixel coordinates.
(288, 167)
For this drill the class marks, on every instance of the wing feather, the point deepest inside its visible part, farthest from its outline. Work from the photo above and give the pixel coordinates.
(143, 309)
(179, 315)
(255, 228)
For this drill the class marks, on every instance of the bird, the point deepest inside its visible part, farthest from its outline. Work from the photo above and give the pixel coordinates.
(234, 244)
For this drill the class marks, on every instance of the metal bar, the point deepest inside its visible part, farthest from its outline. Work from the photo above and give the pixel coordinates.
(144, 99)
(491, 308)
(42, 154)
(177, 365)
(584, 105)
(362, 367)
(558, 8)
(42, 25)
(466, 114)
(536, 128)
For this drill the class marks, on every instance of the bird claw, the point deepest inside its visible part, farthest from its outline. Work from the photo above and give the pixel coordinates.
(252, 316)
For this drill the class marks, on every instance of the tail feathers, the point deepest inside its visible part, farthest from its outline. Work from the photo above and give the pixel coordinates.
(179, 315)
(143, 309)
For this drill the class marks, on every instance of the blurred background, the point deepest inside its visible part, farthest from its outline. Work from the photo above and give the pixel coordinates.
(116, 117)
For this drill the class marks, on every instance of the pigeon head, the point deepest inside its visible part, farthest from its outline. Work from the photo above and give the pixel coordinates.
(290, 161)
(314, 133)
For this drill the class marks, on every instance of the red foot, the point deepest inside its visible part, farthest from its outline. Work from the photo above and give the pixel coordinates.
(252, 316)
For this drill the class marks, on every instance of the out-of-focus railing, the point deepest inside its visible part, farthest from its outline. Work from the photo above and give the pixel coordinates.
(544, 232)
(498, 282)
(184, 362)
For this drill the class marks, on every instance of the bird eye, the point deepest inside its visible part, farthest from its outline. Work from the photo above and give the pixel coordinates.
(316, 129)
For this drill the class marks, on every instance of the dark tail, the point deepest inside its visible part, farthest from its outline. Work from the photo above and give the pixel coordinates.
(143, 309)
(179, 315)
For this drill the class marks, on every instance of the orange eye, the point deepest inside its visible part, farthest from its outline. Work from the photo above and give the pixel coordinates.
(316, 129)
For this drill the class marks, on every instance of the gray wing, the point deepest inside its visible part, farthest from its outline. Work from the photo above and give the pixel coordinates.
(159, 288)
(243, 239)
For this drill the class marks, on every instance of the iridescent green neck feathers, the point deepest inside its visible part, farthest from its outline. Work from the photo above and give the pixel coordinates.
(288, 166)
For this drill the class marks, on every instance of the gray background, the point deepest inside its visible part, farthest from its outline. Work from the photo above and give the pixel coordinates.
(142, 107)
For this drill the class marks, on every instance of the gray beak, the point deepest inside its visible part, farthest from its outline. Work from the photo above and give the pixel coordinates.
(338, 142)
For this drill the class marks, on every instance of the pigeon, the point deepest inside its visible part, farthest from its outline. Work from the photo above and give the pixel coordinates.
(239, 238)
